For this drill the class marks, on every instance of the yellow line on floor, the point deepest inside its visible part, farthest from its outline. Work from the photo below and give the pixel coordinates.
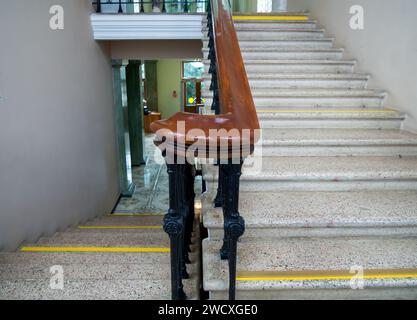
(118, 227)
(274, 18)
(326, 111)
(326, 275)
(95, 249)
(136, 215)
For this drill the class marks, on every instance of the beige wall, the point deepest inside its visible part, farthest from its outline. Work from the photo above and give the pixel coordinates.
(386, 48)
(57, 142)
(156, 49)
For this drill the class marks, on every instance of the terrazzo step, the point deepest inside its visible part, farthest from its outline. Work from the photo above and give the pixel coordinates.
(276, 33)
(268, 98)
(126, 221)
(151, 238)
(285, 44)
(273, 25)
(320, 214)
(337, 142)
(84, 271)
(87, 258)
(277, 81)
(298, 66)
(94, 271)
(290, 54)
(94, 290)
(306, 256)
(268, 34)
(331, 118)
(323, 174)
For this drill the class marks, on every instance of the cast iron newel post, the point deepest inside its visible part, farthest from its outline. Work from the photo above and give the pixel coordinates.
(142, 7)
(179, 221)
(120, 7)
(234, 224)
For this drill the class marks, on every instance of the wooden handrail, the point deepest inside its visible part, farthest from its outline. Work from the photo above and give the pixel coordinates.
(237, 109)
(238, 119)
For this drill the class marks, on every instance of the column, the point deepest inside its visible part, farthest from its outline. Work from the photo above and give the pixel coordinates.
(151, 85)
(127, 186)
(135, 112)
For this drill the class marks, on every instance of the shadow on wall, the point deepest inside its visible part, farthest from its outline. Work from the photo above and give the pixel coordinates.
(386, 47)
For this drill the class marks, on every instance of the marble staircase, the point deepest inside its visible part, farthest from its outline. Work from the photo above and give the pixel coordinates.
(336, 188)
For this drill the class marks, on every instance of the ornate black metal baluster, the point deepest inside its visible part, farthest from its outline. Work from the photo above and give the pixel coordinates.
(174, 226)
(186, 9)
(184, 209)
(190, 180)
(142, 7)
(213, 66)
(234, 225)
(164, 9)
(120, 7)
(98, 8)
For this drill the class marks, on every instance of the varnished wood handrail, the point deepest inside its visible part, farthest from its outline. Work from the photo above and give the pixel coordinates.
(237, 109)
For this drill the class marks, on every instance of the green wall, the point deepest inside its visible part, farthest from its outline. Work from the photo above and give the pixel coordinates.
(169, 80)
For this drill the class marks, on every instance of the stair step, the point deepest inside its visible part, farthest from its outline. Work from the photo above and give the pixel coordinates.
(285, 44)
(268, 98)
(324, 174)
(151, 238)
(337, 142)
(358, 118)
(84, 271)
(276, 34)
(348, 80)
(316, 92)
(281, 54)
(273, 14)
(270, 34)
(273, 25)
(93, 290)
(308, 80)
(298, 66)
(95, 271)
(66, 258)
(320, 214)
(295, 260)
(126, 221)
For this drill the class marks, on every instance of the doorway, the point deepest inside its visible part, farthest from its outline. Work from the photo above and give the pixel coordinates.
(192, 86)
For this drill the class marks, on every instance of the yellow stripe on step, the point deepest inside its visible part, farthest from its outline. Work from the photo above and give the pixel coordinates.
(117, 227)
(326, 111)
(95, 249)
(326, 275)
(136, 215)
(275, 18)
